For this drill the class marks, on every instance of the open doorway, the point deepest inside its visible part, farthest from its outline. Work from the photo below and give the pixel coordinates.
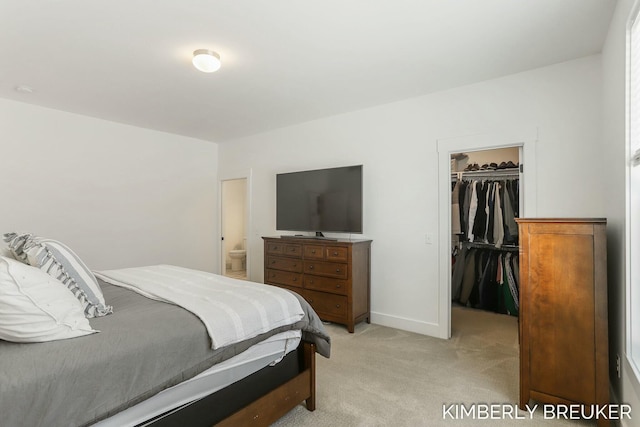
(234, 214)
(526, 141)
(485, 201)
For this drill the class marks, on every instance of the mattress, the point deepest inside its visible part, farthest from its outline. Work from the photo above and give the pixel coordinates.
(265, 353)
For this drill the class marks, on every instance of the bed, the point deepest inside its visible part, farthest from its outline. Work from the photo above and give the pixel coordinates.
(153, 363)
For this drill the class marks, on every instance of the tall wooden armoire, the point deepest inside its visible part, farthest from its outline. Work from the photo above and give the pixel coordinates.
(564, 347)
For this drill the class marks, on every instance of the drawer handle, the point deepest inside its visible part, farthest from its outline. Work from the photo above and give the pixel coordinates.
(337, 305)
(273, 261)
(335, 254)
(293, 249)
(337, 286)
(295, 279)
(311, 267)
(311, 282)
(313, 251)
(275, 248)
(295, 265)
(337, 270)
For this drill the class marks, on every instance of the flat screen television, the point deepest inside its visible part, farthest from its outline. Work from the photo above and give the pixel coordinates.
(323, 200)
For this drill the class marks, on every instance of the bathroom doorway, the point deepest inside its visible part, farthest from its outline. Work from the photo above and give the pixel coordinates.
(234, 214)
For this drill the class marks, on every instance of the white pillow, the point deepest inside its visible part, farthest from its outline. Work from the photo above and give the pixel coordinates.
(61, 263)
(15, 243)
(35, 307)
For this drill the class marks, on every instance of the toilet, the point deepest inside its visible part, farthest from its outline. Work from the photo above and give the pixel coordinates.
(238, 257)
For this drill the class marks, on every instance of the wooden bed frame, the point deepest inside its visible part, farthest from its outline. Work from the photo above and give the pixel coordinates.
(282, 399)
(257, 400)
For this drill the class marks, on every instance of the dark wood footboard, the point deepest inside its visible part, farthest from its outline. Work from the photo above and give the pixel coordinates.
(257, 400)
(282, 399)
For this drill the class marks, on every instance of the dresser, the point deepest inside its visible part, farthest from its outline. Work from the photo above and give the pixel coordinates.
(564, 347)
(332, 275)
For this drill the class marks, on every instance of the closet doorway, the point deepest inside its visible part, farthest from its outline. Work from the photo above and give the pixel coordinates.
(485, 200)
(525, 142)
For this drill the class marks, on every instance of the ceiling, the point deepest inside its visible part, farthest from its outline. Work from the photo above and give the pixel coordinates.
(283, 61)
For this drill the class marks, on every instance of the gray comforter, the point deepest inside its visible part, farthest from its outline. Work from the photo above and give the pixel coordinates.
(144, 347)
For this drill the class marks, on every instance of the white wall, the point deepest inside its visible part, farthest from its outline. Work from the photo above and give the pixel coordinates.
(118, 195)
(627, 388)
(396, 143)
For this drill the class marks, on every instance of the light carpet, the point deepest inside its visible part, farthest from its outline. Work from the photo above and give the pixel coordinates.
(379, 376)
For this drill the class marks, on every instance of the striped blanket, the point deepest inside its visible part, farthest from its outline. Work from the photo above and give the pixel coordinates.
(231, 310)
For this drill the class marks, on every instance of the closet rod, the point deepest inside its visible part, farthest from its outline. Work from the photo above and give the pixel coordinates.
(487, 174)
(491, 246)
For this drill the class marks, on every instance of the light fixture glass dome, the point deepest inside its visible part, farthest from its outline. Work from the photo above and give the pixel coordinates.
(206, 60)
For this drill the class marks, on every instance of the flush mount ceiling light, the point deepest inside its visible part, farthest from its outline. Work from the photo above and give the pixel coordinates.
(24, 89)
(206, 60)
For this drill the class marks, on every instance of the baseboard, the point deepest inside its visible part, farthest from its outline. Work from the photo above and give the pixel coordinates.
(405, 324)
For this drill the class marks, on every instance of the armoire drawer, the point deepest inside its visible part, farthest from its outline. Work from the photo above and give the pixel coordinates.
(325, 284)
(323, 303)
(287, 278)
(328, 269)
(285, 264)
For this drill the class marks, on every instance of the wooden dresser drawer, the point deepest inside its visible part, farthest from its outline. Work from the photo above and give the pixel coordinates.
(288, 249)
(337, 253)
(293, 250)
(328, 269)
(325, 284)
(330, 304)
(274, 248)
(313, 252)
(287, 278)
(286, 264)
(329, 253)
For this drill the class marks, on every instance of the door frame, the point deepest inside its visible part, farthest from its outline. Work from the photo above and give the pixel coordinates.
(246, 175)
(447, 146)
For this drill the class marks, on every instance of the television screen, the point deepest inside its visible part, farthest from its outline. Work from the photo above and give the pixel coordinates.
(320, 200)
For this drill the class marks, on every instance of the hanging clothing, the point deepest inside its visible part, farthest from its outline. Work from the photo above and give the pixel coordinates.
(511, 228)
(455, 209)
(498, 226)
(485, 275)
(458, 273)
(510, 291)
(487, 211)
(486, 279)
(473, 208)
(468, 276)
(480, 222)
